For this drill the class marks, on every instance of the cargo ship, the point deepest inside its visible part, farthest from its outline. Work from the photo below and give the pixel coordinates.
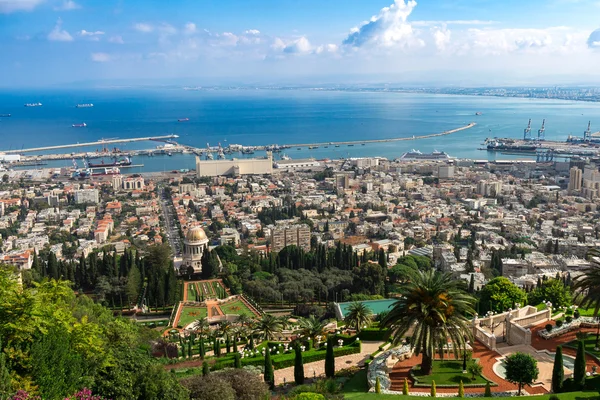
(85, 105)
(33, 105)
(79, 125)
(124, 162)
(183, 119)
(416, 155)
(106, 171)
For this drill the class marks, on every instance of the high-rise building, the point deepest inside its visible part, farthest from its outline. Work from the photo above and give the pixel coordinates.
(575, 176)
(83, 196)
(342, 181)
(283, 236)
(446, 171)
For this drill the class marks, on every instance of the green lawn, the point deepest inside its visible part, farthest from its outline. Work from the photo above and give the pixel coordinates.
(586, 312)
(447, 373)
(356, 388)
(237, 307)
(590, 344)
(191, 295)
(219, 289)
(207, 289)
(190, 314)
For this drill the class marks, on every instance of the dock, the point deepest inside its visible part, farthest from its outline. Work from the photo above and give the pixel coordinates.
(97, 143)
(354, 142)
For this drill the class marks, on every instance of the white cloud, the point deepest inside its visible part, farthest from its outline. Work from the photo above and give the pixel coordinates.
(59, 35)
(118, 39)
(67, 5)
(143, 27)
(328, 48)
(91, 35)
(189, 28)
(441, 37)
(523, 40)
(9, 6)
(252, 32)
(100, 57)
(472, 22)
(593, 40)
(297, 46)
(388, 28)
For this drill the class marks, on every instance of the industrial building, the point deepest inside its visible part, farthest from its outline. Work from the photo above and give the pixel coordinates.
(235, 167)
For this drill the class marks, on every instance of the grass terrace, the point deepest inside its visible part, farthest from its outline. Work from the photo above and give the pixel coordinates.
(447, 373)
(190, 314)
(219, 290)
(192, 293)
(237, 307)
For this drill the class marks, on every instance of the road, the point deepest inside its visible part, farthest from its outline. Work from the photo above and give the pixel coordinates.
(171, 228)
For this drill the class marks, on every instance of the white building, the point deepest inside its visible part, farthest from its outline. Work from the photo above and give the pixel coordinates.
(235, 167)
(193, 248)
(84, 196)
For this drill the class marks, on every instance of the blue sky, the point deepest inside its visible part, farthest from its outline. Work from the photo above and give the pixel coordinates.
(48, 42)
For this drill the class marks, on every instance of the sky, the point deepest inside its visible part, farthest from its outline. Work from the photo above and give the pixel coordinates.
(204, 42)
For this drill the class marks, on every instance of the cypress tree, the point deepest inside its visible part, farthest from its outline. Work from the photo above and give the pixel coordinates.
(377, 385)
(488, 390)
(472, 284)
(405, 387)
(382, 259)
(227, 345)
(237, 360)
(201, 349)
(461, 389)
(433, 389)
(205, 368)
(217, 347)
(330, 359)
(558, 373)
(269, 374)
(190, 342)
(298, 366)
(579, 370)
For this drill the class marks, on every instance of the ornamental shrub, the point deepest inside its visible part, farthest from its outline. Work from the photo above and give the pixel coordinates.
(488, 390)
(377, 386)
(433, 391)
(461, 389)
(559, 323)
(405, 387)
(576, 314)
(548, 327)
(568, 319)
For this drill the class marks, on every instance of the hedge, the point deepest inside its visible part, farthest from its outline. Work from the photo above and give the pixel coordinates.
(287, 360)
(373, 334)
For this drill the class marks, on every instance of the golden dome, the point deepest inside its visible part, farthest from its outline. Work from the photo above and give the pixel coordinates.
(195, 234)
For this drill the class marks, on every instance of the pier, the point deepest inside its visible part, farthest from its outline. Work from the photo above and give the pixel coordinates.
(97, 143)
(462, 128)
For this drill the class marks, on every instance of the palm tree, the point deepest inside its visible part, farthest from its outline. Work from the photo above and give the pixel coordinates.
(587, 285)
(311, 327)
(358, 315)
(434, 305)
(244, 320)
(201, 326)
(268, 326)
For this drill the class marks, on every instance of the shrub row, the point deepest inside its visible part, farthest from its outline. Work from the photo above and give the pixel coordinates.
(373, 334)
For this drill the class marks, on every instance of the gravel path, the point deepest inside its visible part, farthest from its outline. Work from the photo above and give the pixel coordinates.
(317, 368)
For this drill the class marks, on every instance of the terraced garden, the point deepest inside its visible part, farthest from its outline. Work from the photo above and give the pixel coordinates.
(237, 307)
(189, 314)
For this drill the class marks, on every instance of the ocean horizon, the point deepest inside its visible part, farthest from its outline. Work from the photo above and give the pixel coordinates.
(263, 117)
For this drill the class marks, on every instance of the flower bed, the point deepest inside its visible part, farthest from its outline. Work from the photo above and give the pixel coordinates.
(584, 322)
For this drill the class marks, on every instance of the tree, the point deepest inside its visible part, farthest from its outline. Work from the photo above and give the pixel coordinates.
(205, 368)
(311, 327)
(552, 290)
(475, 369)
(461, 389)
(499, 295)
(521, 369)
(435, 307)
(134, 284)
(579, 369)
(377, 385)
(269, 374)
(558, 373)
(237, 360)
(5, 379)
(433, 392)
(405, 388)
(330, 358)
(382, 259)
(358, 315)
(268, 326)
(368, 278)
(488, 390)
(298, 366)
(472, 284)
(211, 387)
(588, 283)
(246, 385)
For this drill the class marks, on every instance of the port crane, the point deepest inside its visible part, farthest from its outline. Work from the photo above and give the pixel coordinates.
(542, 131)
(587, 135)
(527, 131)
(209, 155)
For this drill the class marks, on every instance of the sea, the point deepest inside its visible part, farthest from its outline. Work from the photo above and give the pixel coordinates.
(263, 117)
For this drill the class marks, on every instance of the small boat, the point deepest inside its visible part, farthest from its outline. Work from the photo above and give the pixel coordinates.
(4, 115)
(169, 154)
(337, 145)
(33, 105)
(79, 125)
(85, 105)
(299, 148)
(183, 119)
(362, 144)
(478, 113)
(313, 147)
(350, 145)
